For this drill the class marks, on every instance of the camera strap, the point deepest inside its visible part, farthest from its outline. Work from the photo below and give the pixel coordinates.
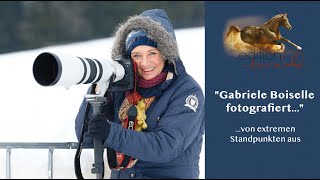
(77, 163)
(117, 160)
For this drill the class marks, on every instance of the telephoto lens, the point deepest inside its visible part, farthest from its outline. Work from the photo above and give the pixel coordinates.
(52, 69)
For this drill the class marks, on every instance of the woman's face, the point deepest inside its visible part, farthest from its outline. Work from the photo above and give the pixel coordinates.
(149, 61)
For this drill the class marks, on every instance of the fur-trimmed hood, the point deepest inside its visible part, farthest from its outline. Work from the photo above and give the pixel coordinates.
(158, 26)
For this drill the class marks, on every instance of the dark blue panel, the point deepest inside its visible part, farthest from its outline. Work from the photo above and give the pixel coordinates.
(226, 159)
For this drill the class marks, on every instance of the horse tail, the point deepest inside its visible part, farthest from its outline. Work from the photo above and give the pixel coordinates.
(232, 40)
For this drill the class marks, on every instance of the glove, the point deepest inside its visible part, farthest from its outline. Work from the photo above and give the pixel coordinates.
(99, 127)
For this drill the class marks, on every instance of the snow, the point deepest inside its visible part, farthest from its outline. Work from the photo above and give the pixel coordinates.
(33, 113)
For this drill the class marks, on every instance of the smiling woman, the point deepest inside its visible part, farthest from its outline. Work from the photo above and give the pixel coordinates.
(160, 122)
(149, 61)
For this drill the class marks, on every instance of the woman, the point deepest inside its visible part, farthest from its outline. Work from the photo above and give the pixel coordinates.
(167, 105)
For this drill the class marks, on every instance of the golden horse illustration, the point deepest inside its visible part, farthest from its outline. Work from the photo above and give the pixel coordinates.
(264, 37)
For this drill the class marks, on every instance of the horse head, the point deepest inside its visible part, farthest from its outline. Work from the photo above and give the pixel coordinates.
(284, 21)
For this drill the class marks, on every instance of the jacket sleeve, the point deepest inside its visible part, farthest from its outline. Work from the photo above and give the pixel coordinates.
(176, 130)
(87, 141)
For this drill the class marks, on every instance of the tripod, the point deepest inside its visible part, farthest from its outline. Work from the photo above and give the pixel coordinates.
(98, 166)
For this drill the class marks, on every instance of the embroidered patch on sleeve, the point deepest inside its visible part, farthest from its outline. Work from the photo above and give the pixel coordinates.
(192, 102)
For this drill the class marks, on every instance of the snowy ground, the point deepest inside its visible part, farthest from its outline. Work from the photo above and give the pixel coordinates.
(32, 113)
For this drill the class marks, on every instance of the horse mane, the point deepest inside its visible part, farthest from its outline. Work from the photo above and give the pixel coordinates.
(274, 17)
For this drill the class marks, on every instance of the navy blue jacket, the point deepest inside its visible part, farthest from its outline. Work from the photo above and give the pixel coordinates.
(170, 147)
